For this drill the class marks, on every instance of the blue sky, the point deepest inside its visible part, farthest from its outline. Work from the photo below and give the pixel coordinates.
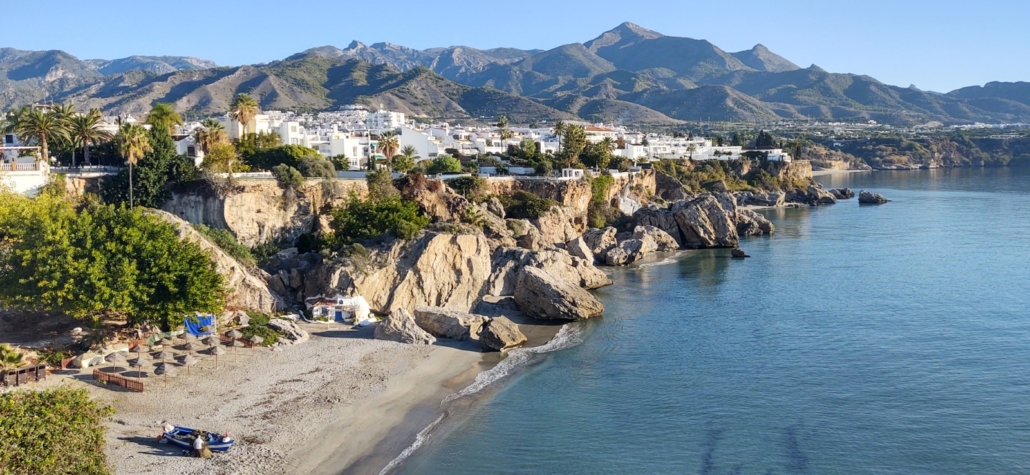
(936, 45)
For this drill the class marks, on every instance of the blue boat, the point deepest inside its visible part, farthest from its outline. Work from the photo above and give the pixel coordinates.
(184, 436)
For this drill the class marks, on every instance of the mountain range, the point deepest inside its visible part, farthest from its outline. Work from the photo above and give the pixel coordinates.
(626, 75)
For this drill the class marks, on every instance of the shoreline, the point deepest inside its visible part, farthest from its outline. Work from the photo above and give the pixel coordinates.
(817, 173)
(339, 403)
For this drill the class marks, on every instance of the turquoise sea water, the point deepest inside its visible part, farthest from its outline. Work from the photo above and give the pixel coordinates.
(858, 339)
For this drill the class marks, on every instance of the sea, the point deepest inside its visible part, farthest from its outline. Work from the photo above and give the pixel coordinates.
(859, 339)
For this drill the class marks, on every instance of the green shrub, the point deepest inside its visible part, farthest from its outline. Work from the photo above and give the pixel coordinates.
(287, 176)
(51, 432)
(227, 242)
(265, 250)
(258, 318)
(361, 219)
(444, 164)
(474, 188)
(316, 167)
(524, 205)
(269, 335)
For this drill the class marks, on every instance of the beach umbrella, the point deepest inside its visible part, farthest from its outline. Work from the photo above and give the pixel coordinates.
(190, 347)
(188, 361)
(235, 335)
(141, 358)
(166, 370)
(217, 351)
(116, 359)
(165, 343)
(165, 355)
(256, 340)
(211, 340)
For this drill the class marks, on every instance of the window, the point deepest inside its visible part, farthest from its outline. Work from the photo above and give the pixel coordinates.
(191, 151)
(8, 139)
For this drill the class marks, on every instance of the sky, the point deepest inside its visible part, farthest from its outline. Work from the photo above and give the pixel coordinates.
(937, 45)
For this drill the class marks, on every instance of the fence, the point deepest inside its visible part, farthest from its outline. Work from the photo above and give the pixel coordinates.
(108, 378)
(21, 167)
(18, 377)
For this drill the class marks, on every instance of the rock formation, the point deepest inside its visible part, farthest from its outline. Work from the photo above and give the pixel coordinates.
(248, 288)
(507, 264)
(499, 334)
(400, 326)
(842, 193)
(541, 295)
(868, 197)
(750, 223)
(292, 334)
(446, 323)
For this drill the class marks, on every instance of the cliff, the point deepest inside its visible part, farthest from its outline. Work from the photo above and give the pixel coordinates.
(259, 211)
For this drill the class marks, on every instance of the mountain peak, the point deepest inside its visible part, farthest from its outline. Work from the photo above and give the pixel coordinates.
(760, 58)
(637, 30)
(622, 35)
(356, 45)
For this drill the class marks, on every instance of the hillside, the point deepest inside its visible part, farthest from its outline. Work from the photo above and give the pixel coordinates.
(628, 74)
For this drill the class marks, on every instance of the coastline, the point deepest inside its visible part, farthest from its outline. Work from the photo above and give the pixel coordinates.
(816, 173)
(341, 402)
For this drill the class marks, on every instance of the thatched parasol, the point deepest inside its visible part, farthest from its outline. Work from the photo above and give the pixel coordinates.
(256, 340)
(165, 343)
(116, 359)
(141, 359)
(166, 370)
(218, 350)
(188, 361)
(165, 355)
(190, 347)
(211, 340)
(235, 335)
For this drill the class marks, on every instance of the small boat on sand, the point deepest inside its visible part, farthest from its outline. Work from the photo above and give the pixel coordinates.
(184, 436)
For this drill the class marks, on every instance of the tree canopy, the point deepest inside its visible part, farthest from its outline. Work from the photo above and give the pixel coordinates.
(103, 261)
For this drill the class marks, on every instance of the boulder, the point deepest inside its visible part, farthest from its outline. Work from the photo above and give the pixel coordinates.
(495, 228)
(772, 199)
(630, 250)
(557, 226)
(493, 205)
(578, 248)
(669, 188)
(661, 218)
(750, 223)
(663, 241)
(400, 326)
(842, 193)
(525, 234)
(499, 334)
(704, 223)
(600, 240)
(868, 197)
(738, 253)
(293, 334)
(541, 295)
(446, 323)
(507, 264)
(813, 195)
(717, 186)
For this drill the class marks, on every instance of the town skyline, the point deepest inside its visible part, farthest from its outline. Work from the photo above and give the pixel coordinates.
(917, 43)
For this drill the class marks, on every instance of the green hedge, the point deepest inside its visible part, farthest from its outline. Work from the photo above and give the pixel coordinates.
(57, 431)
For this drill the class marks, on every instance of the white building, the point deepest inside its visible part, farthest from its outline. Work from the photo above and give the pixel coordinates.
(19, 169)
(383, 120)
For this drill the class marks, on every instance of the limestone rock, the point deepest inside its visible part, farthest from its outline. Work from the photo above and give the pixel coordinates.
(663, 241)
(772, 199)
(578, 248)
(842, 193)
(669, 188)
(704, 223)
(600, 241)
(438, 202)
(290, 330)
(494, 206)
(750, 223)
(630, 250)
(248, 288)
(508, 263)
(557, 226)
(813, 195)
(661, 218)
(868, 197)
(446, 323)
(495, 228)
(541, 295)
(499, 334)
(400, 326)
(526, 235)
(738, 253)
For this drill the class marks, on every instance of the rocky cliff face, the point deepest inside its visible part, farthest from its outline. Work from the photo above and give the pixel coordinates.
(259, 211)
(710, 220)
(248, 288)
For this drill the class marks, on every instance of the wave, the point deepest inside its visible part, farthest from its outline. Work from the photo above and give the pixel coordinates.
(663, 262)
(570, 335)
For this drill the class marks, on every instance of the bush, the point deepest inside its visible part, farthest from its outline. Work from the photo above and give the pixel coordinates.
(473, 188)
(269, 335)
(56, 431)
(523, 205)
(287, 176)
(380, 185)
(364, 219)
(316, 167)
(266, 159)
(227, 242)
(258, 319)
(444, 164)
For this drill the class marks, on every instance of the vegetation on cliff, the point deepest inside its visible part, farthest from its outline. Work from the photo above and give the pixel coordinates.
(51, 432)
(101, 262)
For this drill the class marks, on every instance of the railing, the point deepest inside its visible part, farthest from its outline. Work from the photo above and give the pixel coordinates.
(108, 378)
(20, 167)
(18, 377)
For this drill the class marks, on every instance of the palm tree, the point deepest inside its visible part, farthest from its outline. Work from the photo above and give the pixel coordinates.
(35, 125)
(85, 130)
(388, 145)
(133, 143)
(243, 109)
(409, 151)
(559, 131)
(163, 115)
(210, 133)
(9, 357)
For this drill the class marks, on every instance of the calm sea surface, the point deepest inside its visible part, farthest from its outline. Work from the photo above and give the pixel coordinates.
(858, 339)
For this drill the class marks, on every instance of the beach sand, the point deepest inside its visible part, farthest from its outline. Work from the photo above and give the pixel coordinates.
(339, 403)
(816, 173)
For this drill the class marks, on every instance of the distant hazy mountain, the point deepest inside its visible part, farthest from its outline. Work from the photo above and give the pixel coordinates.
(628, 74)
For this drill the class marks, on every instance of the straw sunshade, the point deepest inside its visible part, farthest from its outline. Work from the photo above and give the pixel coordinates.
(256, 340)
(141, 359)
(218, 350)
(165, 355)
(188, 361)
(186, 336)
(211, 340)
(190, 346)
(166, 370)
(165, 343)
(116, 359)
(235, 335)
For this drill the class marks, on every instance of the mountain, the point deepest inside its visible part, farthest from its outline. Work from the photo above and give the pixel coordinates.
(154, 64)
(628, 74)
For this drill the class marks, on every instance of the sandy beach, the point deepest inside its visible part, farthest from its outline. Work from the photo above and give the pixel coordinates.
(338, 403)
(816, 173)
